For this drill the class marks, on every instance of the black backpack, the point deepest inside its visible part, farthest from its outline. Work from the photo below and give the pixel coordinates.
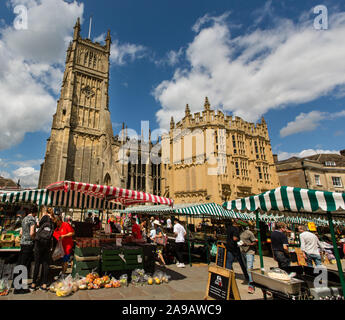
(45, 232)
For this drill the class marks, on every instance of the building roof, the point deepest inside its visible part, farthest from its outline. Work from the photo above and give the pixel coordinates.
(319, 158)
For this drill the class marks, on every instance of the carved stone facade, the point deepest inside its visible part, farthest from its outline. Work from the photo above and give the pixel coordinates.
(210, 157)
(82, 146)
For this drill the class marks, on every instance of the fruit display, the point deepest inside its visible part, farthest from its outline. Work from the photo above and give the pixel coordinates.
(93, 281)
(90, 278)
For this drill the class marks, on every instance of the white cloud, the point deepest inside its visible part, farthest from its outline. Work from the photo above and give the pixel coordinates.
(120, 54)
(31, 67)
(304, 153)
(28, 177)
(27, 163)
(100, 38)
(308, 122)
(171, 58)
(5, 174)
(258, 71)
(303, 122)
(207, 18)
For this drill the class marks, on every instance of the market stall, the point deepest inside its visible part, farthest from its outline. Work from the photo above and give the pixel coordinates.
(77, 195)
(200, 240)
(292, 199)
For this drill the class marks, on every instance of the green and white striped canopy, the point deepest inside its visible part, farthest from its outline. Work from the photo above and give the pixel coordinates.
(70, 199)
(207, 209)
(290, 199)
(193, 209)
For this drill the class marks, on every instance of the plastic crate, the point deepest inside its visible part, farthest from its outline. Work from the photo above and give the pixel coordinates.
(128, 251)
(87, 252)
(86, 264)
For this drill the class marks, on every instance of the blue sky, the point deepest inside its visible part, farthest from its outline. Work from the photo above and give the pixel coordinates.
(251, 58)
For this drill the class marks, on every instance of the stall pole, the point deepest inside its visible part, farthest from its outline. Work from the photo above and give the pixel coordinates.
(188, 242)
(336, 252)
(206, 245)
(259, 239)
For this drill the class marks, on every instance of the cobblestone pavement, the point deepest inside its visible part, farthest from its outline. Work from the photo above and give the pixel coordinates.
(187, 284)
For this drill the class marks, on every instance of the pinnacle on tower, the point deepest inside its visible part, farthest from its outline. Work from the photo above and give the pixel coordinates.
(108, 40)
(187, 111)
(207, 104)
(76, 30)
(172, 123)
(263, 120)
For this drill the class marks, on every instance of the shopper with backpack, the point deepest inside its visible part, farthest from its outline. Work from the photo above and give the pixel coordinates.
(43, 241)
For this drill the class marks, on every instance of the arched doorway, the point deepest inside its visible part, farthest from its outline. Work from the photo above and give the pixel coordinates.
(107, 180)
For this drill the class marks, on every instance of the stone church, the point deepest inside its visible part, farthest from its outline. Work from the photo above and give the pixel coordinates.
(82, 146)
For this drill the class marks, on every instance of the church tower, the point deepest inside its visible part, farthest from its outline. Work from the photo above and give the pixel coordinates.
(81, 146)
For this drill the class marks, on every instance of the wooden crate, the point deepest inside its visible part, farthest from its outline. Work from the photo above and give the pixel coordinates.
(7, 240)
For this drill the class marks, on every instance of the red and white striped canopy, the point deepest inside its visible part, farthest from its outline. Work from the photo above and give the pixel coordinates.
(124, 196)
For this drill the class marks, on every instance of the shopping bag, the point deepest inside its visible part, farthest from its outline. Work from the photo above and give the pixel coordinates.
(162, 241)
(58, 252)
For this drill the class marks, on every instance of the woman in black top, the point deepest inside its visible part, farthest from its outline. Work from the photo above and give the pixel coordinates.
(42, 247)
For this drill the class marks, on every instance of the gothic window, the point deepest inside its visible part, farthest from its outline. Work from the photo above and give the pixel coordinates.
(94, 62)
(90, 59)
(86, 57)
(237, 169)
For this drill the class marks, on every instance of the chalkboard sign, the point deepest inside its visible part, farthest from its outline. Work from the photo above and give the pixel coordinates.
(221, 256)
(221, 284)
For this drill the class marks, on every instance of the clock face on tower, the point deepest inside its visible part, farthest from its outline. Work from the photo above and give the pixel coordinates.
(88, 91)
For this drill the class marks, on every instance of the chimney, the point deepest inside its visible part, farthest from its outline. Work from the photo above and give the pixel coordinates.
(275, 158)
(342, 152)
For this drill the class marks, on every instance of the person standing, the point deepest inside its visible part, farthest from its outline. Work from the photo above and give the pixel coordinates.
(43, 242)
(233, 250)
(152, 219)
(248, 251)
(157, 235)
(136, 232)
(180, 234)
(169, 225)
(143, 230)
(310, 246)
(89, 218)
(27, 234)
(279, 242)
(65, 233)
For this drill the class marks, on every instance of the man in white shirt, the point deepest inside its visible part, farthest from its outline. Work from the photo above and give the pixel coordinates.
(310, 246)
(180, 233)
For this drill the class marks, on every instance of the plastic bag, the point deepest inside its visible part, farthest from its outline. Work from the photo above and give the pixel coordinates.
(124, 280)
(166, 278)
(135, 277)
(157, 277)
(66, 288)
(58, 252)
